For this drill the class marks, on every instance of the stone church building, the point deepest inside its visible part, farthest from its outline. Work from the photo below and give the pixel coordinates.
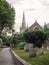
(34, 26)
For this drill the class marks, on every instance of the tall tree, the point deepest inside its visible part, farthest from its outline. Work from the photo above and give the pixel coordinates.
(7, 15)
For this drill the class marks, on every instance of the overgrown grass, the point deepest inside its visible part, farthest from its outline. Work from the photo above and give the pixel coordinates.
(38, 60)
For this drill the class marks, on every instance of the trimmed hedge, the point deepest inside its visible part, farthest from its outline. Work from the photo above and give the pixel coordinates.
(36, 37)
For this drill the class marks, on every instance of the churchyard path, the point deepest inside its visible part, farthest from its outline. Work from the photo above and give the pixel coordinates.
(6, 57)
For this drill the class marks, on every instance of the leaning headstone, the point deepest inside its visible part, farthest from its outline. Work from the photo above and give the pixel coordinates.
(26, 47)
(42, 47)
(40, 51)
(30, 46)
(32, 51)
(48, 48)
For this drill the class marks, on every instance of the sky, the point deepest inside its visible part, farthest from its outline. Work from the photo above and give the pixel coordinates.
(33, 9)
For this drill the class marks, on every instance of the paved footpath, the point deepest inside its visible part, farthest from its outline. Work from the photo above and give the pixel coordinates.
(5, 57)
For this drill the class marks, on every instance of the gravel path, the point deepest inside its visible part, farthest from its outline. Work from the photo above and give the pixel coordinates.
(5, 57)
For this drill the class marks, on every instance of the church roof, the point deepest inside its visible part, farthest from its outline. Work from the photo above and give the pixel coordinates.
(35, 25)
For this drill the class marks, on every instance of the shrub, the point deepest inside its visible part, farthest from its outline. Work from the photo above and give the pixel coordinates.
(21, 45)
(6, 40)
(18, 38)
(36, 37)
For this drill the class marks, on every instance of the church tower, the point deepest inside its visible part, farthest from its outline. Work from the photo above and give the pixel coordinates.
(23, 27)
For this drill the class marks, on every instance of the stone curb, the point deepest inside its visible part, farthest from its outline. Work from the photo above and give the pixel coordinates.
(18, 60)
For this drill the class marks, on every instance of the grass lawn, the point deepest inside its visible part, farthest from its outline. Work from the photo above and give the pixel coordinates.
(38, 60)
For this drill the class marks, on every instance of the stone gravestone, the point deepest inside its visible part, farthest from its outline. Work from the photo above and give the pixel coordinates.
(30, 46)
(32, 51)
(26, 47)
(48, 48)
(40, 51)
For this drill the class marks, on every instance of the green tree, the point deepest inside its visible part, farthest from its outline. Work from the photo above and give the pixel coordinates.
(17, 39)
(7, 15)
(45, 26)
(36, 37)
(6, 40)
(46, 29)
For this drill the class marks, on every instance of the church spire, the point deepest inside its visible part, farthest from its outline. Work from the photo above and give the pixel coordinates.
(23, 27)
(23, 21)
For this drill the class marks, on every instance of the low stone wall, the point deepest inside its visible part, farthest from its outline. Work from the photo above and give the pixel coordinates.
(18, 60)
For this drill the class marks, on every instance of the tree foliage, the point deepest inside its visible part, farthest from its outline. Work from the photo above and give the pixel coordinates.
(36, 37)
(46, 29)
(7, 15)
(18, 38)
(6, 40)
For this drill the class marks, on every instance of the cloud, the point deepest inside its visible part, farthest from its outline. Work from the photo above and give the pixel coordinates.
(13, 2)
(30, 9)
(34, 9)
(45, 2)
